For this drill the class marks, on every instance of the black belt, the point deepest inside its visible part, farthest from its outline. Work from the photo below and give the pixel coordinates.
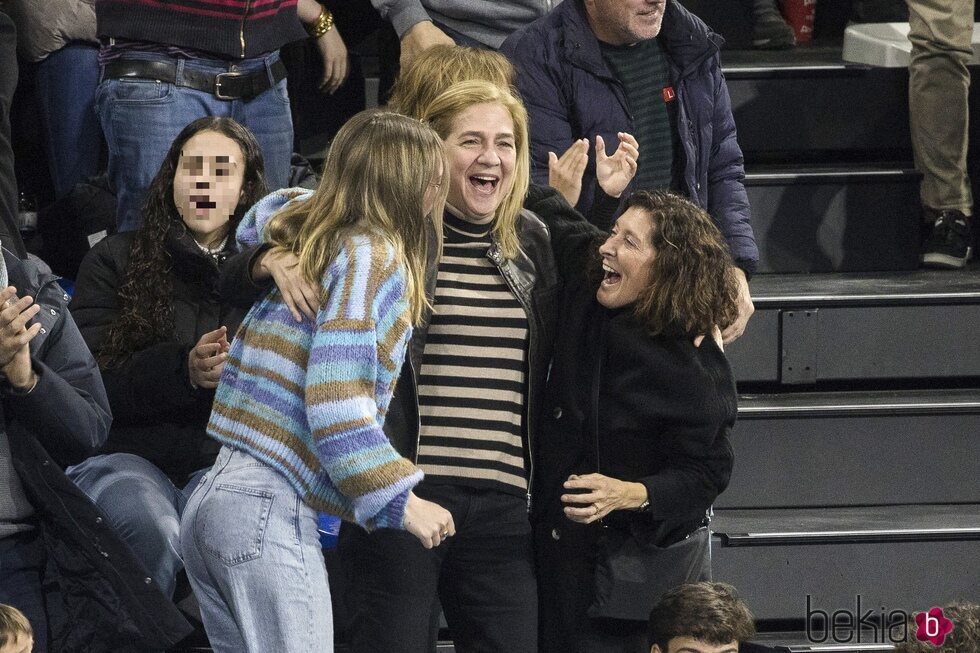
(224, 86)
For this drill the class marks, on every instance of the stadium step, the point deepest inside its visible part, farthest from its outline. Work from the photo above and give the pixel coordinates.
(875, 329)
(790, 563)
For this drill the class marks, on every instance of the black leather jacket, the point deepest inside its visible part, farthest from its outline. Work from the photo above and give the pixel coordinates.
(533, 278)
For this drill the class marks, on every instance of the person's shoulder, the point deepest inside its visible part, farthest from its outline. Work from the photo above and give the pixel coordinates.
(535, 35)
(111, 251)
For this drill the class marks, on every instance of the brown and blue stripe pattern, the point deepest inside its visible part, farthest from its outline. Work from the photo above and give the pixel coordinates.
(309, 399)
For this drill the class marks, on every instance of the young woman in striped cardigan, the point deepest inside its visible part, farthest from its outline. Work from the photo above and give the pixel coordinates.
(301, 404)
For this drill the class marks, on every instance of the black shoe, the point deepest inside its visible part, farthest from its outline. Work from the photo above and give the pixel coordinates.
(950, 245)
(770, 32)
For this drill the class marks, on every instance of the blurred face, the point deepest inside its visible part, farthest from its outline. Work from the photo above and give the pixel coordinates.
(20, 643)
(208, 184)
(620, 22)
(482, 155)
(627, 259)
(691, 645)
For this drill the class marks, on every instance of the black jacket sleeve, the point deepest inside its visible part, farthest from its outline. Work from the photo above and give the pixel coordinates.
(235, 283)
(571, 234)
(696, 441)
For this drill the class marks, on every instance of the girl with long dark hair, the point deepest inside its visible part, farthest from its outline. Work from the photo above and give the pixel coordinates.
(147, 306)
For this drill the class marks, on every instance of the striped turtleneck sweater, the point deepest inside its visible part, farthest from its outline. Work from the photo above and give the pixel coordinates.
(309, 398)
(472, 385)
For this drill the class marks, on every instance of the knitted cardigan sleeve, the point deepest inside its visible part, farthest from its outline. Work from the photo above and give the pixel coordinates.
(357, 348)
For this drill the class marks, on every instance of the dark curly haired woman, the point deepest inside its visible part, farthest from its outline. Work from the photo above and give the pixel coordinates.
(147, 305)
(637, 410)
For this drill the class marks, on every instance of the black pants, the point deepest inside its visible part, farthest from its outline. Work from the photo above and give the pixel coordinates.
(22, 560)
(484, 576)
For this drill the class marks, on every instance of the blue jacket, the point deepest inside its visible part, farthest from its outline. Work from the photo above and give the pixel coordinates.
(570, 93)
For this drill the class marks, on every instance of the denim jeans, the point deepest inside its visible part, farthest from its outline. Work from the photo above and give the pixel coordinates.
(484, 576)
(252, 554)
(66, 83)
(143, 507)
(141, 118)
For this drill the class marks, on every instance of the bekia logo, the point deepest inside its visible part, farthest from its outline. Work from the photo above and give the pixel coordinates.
(932, 626)
(869, 626)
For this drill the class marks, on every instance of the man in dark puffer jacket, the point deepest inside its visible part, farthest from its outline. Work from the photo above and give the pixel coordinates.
(77, 582)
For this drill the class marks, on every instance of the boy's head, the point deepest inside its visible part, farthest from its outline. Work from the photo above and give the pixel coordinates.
(16, 634)
(699, 618)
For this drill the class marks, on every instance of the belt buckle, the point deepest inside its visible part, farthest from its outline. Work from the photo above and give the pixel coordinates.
(217, 85)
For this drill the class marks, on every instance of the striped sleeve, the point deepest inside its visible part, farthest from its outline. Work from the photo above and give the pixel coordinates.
(251, 229)
(364, 285)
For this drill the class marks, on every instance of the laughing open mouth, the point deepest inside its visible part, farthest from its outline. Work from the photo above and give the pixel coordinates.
(611, 277)
(484, 183)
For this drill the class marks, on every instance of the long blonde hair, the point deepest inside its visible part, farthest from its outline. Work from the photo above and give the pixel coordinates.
(439, 67)
(377, 173)
(442, 114)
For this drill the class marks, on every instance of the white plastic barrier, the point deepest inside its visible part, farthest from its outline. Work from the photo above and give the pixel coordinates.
(887, 44)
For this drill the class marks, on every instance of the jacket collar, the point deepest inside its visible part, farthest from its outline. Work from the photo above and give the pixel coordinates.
(685, 38)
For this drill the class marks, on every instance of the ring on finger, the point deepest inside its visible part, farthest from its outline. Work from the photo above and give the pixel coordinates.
(595, 509)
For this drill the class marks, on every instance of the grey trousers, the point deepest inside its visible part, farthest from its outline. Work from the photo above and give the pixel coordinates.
(939, 86)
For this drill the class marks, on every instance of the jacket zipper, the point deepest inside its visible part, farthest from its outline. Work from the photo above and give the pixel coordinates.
(494, 255)
(241, 33)
(418, 410)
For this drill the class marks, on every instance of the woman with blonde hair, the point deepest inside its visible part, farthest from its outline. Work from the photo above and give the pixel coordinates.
(300, 405)
(439, 67)
(464, 407)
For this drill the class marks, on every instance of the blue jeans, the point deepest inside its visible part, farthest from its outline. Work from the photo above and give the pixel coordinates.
(143, 507)
(66, 83)
(252, 554)
(141, 118)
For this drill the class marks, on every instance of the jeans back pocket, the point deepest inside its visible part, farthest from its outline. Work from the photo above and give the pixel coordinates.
(232, 523)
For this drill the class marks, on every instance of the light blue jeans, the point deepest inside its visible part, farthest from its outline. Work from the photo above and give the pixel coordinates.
(252, 554)
(141, 118)
(143, 506)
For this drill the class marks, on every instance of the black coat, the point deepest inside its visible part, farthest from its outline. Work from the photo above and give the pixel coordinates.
(99, 599)
(157, 414)
(654, 410)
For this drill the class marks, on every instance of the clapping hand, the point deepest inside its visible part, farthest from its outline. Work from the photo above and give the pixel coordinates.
(207, 358)
(614, 173)
(565, 172)
(15, 336)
